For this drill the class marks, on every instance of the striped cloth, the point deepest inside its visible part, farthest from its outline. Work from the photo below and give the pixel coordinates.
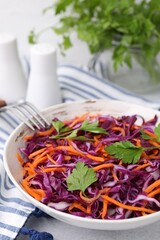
(76, 84)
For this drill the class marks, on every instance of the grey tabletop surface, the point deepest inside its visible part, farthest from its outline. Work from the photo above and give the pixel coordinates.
(63, 231)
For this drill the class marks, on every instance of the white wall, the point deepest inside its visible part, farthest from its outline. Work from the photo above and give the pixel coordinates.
(20, 16)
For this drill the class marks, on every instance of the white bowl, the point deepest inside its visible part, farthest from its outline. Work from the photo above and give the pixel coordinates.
(68, 111)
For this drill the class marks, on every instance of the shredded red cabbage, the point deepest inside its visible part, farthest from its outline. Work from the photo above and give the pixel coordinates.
(120, 182)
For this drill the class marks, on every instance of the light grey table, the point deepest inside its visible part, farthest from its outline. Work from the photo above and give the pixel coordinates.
(63, 231)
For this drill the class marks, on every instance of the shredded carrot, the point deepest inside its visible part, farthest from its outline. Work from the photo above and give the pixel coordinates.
(153, 193)
(20, 159)
(78, 120)
(138, 143)
(114, 176)
(141, 167)
(104, 209)
(78, 206)
(28, 167)
(152, 186)
(67, 158)
(120, 130)
(88, 200)
(39, 160)
(95, 158)
(38, 194)
(48, 150)
(104, 190)
(47, 132)
(154, 143)
(54, 169)
(149, 133)
(133, 208)
(89, 209)
(120, 163)
(32, 155)
(105, 165)
(69, 149)
(28, 137)
(51, 159)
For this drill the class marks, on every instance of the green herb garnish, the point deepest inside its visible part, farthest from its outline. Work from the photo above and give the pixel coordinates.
(156, 132)
(81, 177)
(65, 132)
(126, 151)
(60, 126)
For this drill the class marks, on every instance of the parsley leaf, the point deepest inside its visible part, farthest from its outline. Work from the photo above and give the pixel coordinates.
(92, 127)
(65, 132)
(126, 151)
(81, 177)
(58, 125)
(156, 132)
(145, 135)
(88, 127)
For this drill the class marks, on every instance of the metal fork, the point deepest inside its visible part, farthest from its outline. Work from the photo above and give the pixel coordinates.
(28, 113)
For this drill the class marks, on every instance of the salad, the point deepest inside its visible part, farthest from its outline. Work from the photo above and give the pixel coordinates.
(95, 166)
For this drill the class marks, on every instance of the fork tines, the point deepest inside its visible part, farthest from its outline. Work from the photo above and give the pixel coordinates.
(29, 114)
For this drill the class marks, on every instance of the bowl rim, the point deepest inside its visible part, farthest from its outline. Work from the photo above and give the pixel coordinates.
(40, 205)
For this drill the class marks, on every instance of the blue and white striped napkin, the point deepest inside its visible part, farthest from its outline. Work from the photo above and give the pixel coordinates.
(76, 84)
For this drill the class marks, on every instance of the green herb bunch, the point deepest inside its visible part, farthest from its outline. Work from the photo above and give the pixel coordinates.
(102, 24)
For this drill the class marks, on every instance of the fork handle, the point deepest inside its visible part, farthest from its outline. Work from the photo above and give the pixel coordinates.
(2, 103)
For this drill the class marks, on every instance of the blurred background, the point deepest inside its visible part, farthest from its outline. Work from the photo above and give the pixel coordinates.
(21, 16)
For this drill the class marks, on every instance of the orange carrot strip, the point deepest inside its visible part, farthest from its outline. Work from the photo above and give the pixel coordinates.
(119, 129)
(152, 194)
(95, 158)
(152, 156)
(48, 150)
(114, 176)
(29, 167)
(77, 205)
(28, 137)
(132, 208)
(150, 133)
(51, 159)
(154, 143)
(105, 165)
(138, 143)
(152, 186)
(39, 160)
(47, 132)
(120, 163)
(69, 149)
(36, 193)
(141, 166)
(54, 169)
(78, 120)
(89, 209)
(88, 200)
(36, 153)
(105, 206)
(20, 159)
(104, 190)
(67, 157)
(28, 170)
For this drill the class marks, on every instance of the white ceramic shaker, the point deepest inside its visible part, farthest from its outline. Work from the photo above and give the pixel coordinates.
(43, 87)
(13, 82)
